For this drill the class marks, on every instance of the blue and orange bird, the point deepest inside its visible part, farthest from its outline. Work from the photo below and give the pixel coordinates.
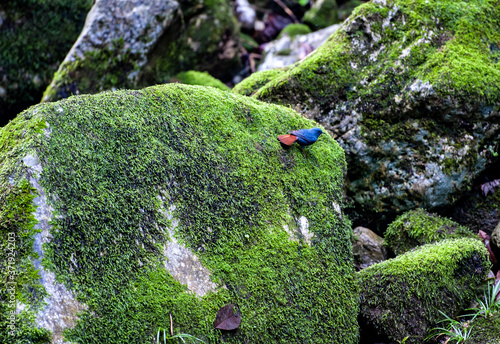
(304, 137)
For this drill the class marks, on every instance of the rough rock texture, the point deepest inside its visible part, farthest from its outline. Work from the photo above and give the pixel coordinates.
(34, 38)
(410, 90)
(368, 248)
(173, 200)
(290, 49)
(418, 227)
(402, 297)
(137, 43)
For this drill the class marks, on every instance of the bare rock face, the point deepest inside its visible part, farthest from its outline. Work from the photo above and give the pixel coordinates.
(412, 96)
(368, 248)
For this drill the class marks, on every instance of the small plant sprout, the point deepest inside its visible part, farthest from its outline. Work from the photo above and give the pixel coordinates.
(490, 148)
(491, 303)
(455, 330)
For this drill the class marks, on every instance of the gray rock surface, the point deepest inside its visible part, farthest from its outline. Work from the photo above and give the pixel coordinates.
(368, 248)
(286, 51)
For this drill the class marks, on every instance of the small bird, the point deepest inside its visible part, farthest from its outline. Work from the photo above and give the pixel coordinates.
(304, 137)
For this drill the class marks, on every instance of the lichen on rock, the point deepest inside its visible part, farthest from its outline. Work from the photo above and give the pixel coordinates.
(112, 164)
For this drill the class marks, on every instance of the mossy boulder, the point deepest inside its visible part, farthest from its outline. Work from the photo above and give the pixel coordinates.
(35, 35)
(402, 297)
(410, 91)
(176, 200)
(418, 227)
(146, 43)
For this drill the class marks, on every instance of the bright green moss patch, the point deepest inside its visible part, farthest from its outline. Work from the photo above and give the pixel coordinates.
(215, 157)
(293, 30)
(193, 77)
(103, 69)
(401, 297)
(250, 85)
(418, 227)
(35, 35)
(19, 281)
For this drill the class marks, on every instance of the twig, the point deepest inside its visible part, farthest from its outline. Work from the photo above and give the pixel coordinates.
(287, 10)
(171, 326)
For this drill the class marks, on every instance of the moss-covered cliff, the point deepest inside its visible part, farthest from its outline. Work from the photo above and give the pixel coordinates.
(120, 169)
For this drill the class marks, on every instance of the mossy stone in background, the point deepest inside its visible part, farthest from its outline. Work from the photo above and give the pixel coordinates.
(193, 77)
(418, 227)
(35, 36)
(293, 30)
(402, 297)
(323, 13)
(254, 82)
(264, 221)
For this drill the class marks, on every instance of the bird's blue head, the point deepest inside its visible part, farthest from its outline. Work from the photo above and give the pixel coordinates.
(316, 131)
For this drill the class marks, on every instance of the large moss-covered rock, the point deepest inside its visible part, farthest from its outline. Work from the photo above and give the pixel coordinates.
(145, 43)
(175, 200)
(410, 91)
(418, 227)
(35, 35)
(402, 297)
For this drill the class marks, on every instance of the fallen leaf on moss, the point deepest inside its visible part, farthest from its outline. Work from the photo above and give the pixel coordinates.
(227, 319)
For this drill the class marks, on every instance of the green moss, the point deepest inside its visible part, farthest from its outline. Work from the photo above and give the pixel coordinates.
(418, 227)
(35, 36)
(102, 69)
(485, 331)
(199, 78)
(255, 81)
(214, 155)
(18, 277)
(401, 297)
(293, 30)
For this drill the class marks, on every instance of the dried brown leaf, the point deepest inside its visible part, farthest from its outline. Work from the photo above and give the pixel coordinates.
(227, 319)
